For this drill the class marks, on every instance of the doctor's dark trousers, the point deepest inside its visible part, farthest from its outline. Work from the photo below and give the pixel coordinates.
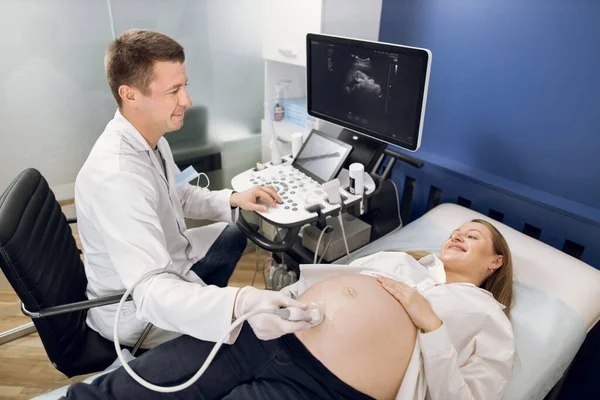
(220, 260)
(249, 369)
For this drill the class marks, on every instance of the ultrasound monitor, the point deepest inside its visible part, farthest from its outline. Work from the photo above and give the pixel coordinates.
(376, 89)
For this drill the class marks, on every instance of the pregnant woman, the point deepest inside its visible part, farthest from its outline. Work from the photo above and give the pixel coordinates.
(394, 327)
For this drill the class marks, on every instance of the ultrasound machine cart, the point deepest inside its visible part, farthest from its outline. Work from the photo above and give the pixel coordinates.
(377, 93)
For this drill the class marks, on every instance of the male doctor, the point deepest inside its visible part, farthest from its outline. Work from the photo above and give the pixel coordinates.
(131, 213)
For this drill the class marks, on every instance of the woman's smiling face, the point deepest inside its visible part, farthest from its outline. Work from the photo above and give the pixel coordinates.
(470, 250)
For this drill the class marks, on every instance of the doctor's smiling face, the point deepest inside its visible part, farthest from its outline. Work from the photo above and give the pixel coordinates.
(167, 98)
(146, 74)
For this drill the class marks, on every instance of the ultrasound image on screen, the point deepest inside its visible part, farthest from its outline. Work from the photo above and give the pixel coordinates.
(375, 90)
(359, 82)
(320, 157)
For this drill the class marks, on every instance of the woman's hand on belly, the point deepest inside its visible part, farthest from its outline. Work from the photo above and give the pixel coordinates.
(366, 338)
(417, 306)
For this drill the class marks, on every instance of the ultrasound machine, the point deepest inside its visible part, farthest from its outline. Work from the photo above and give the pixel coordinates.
(335, 200)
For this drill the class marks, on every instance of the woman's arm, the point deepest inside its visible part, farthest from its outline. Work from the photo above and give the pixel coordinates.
(485, 372)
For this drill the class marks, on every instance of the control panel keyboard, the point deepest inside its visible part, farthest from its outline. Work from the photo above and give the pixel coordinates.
(294, 187)
(301, 195)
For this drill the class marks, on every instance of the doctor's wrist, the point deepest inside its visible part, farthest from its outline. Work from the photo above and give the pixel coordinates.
(235, 305)
(239, 304)
(232, 201)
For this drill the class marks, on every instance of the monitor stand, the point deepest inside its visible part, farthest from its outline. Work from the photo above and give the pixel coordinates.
(366, 150)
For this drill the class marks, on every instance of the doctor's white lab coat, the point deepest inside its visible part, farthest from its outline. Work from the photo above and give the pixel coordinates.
(131, 221)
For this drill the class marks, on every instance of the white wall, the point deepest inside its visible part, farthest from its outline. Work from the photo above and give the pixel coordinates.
(223, 45)
(54, 100)
(235, 43)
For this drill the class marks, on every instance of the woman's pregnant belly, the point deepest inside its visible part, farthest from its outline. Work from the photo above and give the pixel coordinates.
(366, 339)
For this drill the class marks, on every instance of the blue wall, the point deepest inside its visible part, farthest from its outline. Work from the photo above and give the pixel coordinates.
(514, 96)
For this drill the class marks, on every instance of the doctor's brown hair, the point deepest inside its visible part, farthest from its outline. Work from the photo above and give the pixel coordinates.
(130, 59)
(500, 283)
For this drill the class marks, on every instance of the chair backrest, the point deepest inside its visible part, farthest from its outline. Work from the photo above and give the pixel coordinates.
(40, 259)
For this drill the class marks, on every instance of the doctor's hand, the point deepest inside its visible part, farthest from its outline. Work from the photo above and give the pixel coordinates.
(418, 308)
(267, 326)
(248, 199)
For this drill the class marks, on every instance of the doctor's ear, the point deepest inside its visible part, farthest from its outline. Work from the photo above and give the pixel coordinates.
(127, 93)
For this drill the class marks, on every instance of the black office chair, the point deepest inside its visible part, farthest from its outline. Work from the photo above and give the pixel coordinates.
(40, 259)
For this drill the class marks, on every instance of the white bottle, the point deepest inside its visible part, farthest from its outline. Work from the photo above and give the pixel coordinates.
(275, 156)
(297, 139)
(356, 174)
(278, 109)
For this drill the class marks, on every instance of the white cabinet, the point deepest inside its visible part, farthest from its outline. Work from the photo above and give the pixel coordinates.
(285, 25)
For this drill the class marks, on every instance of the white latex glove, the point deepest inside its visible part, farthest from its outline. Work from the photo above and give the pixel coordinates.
(290, 291)
(268, 326)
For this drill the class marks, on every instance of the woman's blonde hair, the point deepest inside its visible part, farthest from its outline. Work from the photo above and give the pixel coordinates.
(500, 283)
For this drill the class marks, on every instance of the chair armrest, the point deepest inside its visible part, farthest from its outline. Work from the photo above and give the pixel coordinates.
(71, 220)
(80, 305)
